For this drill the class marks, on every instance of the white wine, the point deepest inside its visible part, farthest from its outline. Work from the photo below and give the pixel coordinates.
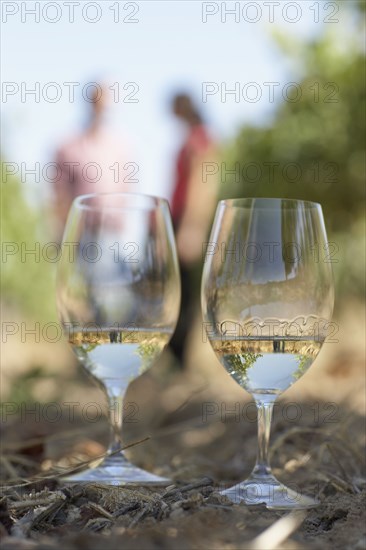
(112, 354)
(266, 366)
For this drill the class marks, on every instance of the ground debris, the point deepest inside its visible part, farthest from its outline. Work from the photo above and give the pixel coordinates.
(46, 514)
(6, 522)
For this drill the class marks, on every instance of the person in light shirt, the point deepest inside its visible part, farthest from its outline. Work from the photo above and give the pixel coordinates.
(94, 161)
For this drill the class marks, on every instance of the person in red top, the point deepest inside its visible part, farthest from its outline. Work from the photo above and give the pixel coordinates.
(193, 203)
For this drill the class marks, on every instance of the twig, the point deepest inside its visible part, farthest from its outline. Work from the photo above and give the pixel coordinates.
(8, 466)
(97, 524)
(15, 445)
(140, 516)
(188, 399)
(125, 509)
(101, 510)
(195, 485)
(57, 475)
(18, 459)
(51, 509)
(338, 482)
(277, 533)
(33, 502)
(340, 465)
(82, 465)
(294, 431)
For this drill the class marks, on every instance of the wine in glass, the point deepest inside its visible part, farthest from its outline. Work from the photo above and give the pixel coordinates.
(118, 292)
(267, 299)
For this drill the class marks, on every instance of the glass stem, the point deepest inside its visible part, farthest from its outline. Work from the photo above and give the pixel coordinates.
(262, 467)
(115, 410)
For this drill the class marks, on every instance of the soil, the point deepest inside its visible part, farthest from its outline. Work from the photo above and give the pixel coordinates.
(198, 429)
(323, 459)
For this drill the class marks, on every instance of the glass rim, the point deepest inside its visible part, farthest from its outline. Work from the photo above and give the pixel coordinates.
(267, 202)
(148, 202)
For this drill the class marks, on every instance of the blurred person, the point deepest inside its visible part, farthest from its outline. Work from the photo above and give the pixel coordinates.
(92, 161)
(193, 204)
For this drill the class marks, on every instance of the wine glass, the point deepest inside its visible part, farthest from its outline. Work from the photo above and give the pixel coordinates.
(118, 291)
(267, 299)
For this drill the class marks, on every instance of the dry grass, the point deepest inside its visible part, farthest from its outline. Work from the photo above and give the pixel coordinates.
(38, 511)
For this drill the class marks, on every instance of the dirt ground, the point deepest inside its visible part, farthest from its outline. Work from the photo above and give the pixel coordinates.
(318, 457)
(199, 429)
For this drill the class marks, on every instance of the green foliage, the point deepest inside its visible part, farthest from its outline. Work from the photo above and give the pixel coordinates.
(23, 391)
(304, 362)
(315, 144)
(27, 281)
(242, 362)
(147, 351)
(326, 140)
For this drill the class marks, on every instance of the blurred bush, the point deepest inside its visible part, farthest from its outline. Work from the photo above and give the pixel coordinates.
(27, 281)
(314, 147)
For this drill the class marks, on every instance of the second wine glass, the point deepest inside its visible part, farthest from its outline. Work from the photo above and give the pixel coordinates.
(267, 299)
(118, 298)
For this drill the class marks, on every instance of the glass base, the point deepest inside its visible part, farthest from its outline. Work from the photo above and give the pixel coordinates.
(116, 470)
(269, 491)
